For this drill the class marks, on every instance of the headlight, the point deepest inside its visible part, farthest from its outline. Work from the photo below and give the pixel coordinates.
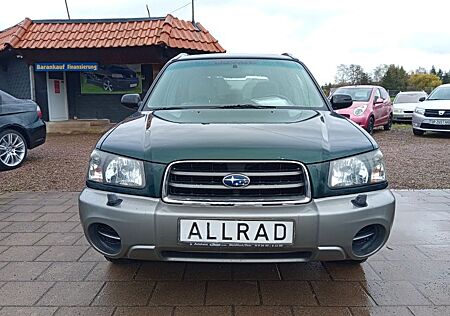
(358, 170)
(420, 111)
(359, 110)
(116, 170)
(398, 110)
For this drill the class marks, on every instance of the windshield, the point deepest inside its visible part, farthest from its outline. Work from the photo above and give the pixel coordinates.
(440, 93)
(225, 82)
(409, 97)
(357, 94)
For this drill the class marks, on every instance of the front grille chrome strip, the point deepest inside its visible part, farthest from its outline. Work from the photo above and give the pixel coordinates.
(250, 187)
(272, 182)
(223, 174)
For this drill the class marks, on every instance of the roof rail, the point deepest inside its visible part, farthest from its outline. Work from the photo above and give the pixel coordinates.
(290, 56)
(179, 56)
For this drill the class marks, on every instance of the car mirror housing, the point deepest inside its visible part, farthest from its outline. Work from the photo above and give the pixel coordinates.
(341, 101)
(422, 99)
(131, 101)
(378, 100)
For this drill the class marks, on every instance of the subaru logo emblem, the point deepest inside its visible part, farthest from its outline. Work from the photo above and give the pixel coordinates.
(236, 181)
(441, 112)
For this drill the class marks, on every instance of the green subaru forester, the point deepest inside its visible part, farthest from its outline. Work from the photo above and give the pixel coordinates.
(236, 158)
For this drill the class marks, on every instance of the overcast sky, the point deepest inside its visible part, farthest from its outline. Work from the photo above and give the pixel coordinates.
(322, 33)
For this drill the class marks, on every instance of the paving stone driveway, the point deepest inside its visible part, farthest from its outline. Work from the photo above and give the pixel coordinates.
(47, 268)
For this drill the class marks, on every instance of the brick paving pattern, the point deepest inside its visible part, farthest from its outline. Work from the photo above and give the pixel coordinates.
(48, 268)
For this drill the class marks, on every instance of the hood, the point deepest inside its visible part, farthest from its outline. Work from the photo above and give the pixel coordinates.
(302, 135)
(406, 106)
(435, 104)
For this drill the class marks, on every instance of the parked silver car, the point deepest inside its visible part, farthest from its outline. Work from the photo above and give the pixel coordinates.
(433, 114)
(405, 103)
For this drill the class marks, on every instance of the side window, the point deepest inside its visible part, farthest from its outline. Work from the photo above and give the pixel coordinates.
(377, 94)
(384, 94)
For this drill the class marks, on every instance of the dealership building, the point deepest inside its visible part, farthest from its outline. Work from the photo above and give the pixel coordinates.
(79, 69)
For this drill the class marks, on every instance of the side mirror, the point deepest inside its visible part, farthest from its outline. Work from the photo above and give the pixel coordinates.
(422, 99)
(378, 100)
(131, 101)
(341, 101)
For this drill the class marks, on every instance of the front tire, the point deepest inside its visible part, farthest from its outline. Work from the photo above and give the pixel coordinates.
(418, 132)
(388, 126)
(13, 149)
(107, 85)
(370, 125)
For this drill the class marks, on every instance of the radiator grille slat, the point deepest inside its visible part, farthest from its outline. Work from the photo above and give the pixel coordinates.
(271, 182)
(435, 113)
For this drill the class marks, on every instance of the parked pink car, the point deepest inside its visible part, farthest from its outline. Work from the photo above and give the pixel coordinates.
(372, 106)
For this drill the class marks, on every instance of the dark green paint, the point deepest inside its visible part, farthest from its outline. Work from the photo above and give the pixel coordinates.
(320, 137)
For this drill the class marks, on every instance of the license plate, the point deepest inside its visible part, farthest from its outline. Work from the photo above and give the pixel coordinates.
(440, 122)
(132, 85)
(235, 233)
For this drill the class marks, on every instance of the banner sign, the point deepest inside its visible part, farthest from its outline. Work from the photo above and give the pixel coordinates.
(84, 67)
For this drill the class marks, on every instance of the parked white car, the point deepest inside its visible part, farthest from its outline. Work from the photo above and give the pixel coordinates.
(433, 114)
(405, 103)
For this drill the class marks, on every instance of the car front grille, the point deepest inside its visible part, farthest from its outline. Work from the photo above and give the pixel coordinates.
(435, 113)
(271, 182)
(435, 126)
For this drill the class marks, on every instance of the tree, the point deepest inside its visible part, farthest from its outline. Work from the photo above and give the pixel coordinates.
(395, 78)
(351, 74)
(433, 70)
(425, 82)
(445, 77)
(379, 72)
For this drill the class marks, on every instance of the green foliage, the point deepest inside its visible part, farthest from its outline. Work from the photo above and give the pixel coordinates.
(426, 82)
(395, 78)
(391, 77)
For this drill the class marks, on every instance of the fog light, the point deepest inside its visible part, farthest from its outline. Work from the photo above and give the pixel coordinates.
(368, 240)
(105, 238)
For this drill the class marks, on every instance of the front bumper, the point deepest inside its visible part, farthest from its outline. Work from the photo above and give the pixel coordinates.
(324, 228)
(424, 123)
(362, 120)
(402, 116)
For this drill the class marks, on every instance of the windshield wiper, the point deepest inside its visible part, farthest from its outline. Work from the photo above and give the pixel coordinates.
(167, 108)
(227, 106)
(245, 106)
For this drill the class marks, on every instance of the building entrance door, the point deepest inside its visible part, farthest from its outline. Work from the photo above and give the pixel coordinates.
(57, 96)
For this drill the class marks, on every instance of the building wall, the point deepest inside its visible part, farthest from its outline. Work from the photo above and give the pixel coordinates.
(98, 106)
(15, 77)
(40, 87)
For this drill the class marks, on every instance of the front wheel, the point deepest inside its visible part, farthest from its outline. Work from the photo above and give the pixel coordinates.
(388, 126)
(370, 125)
(107, 85)
(13, 149)
(418, 132)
